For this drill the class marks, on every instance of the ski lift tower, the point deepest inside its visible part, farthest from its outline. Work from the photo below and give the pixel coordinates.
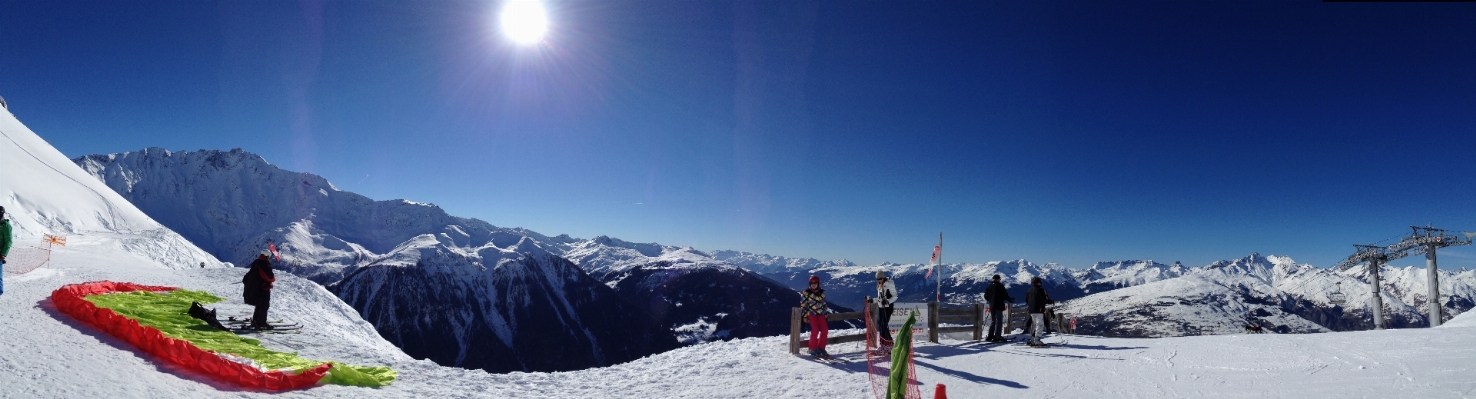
(1426, 240)
(1375, 257)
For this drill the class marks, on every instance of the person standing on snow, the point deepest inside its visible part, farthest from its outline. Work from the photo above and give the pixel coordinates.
(5, 242)
(997, 297)
(258, 288)
(812, 306)
(886, 296)
(1036, 301)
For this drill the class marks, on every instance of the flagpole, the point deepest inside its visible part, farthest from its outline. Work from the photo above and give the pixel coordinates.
(940, 269)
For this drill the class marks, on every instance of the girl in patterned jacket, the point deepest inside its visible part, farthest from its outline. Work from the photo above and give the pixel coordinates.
(812, 305)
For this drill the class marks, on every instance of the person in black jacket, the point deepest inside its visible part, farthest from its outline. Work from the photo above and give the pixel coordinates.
(258, 289)
(997, 297)
(1035, 302)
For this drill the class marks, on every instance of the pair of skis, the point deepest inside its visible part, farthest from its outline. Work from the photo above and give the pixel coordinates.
(242, 325)
(830, 359)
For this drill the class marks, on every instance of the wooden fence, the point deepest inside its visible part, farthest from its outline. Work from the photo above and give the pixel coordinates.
(973, 315)
(1018, 318)
(976, 316)
(796, 319)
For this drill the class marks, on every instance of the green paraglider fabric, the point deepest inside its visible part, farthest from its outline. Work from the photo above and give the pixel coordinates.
(167, 313)
(901, 352)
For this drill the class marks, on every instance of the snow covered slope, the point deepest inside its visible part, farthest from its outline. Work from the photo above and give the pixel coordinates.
(44, 193)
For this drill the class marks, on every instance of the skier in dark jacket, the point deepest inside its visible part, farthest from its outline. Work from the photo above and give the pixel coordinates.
(1035, 302)
(258, 288)
(997, 297)
(5, 243)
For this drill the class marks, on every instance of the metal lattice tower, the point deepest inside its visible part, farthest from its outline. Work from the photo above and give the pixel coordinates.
(1424, 240)
(1374, 256)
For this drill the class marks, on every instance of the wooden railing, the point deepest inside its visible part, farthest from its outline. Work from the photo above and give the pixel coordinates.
(1060, 321)
(938, 315)
(975, 315)
(796, 319)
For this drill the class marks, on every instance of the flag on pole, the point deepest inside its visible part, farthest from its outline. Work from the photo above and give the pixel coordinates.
(938, 250)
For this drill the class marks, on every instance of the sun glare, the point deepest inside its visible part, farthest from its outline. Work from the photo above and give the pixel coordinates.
(524, 21)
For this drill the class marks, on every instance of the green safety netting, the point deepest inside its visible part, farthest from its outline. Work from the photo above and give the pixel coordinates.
(167, 313)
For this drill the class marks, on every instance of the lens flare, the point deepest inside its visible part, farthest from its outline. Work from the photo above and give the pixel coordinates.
(524, 21)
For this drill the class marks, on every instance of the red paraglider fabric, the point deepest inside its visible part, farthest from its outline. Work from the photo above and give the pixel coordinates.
(69, 300)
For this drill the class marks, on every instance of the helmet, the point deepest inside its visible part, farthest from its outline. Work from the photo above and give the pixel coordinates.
(814, 279)
(266, 253)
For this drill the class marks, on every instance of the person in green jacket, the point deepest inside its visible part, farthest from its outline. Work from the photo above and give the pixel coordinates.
(5, 242)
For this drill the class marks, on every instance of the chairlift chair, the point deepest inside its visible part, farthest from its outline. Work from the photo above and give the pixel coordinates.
(1337, 297)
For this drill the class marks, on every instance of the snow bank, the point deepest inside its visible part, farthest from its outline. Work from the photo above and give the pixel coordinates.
(43, 192)
(1467, 319)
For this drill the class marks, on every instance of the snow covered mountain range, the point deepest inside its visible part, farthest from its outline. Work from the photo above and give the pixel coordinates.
(1274, 290)
(328, 234)
(234, 203)
(458, 291)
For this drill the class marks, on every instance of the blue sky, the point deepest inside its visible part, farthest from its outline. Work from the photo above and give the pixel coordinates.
(1068, 132)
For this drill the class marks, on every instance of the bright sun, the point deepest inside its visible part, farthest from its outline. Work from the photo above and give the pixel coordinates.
(524, 21)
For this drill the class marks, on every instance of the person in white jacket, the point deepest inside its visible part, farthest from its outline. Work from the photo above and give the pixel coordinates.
(886, 295)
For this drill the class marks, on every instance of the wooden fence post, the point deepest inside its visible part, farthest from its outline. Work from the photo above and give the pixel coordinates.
(794, 331)
(933, 322)
(1009, 320)
(978, 321)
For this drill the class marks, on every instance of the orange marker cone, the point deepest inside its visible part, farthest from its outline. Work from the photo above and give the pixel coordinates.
(941, 392)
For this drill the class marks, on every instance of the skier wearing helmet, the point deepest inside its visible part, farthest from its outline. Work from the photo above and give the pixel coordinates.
(812, 306)
(258, 288)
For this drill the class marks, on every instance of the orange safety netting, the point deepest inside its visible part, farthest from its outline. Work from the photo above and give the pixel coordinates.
(875, 357)
(24, 259)
(69, 300)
